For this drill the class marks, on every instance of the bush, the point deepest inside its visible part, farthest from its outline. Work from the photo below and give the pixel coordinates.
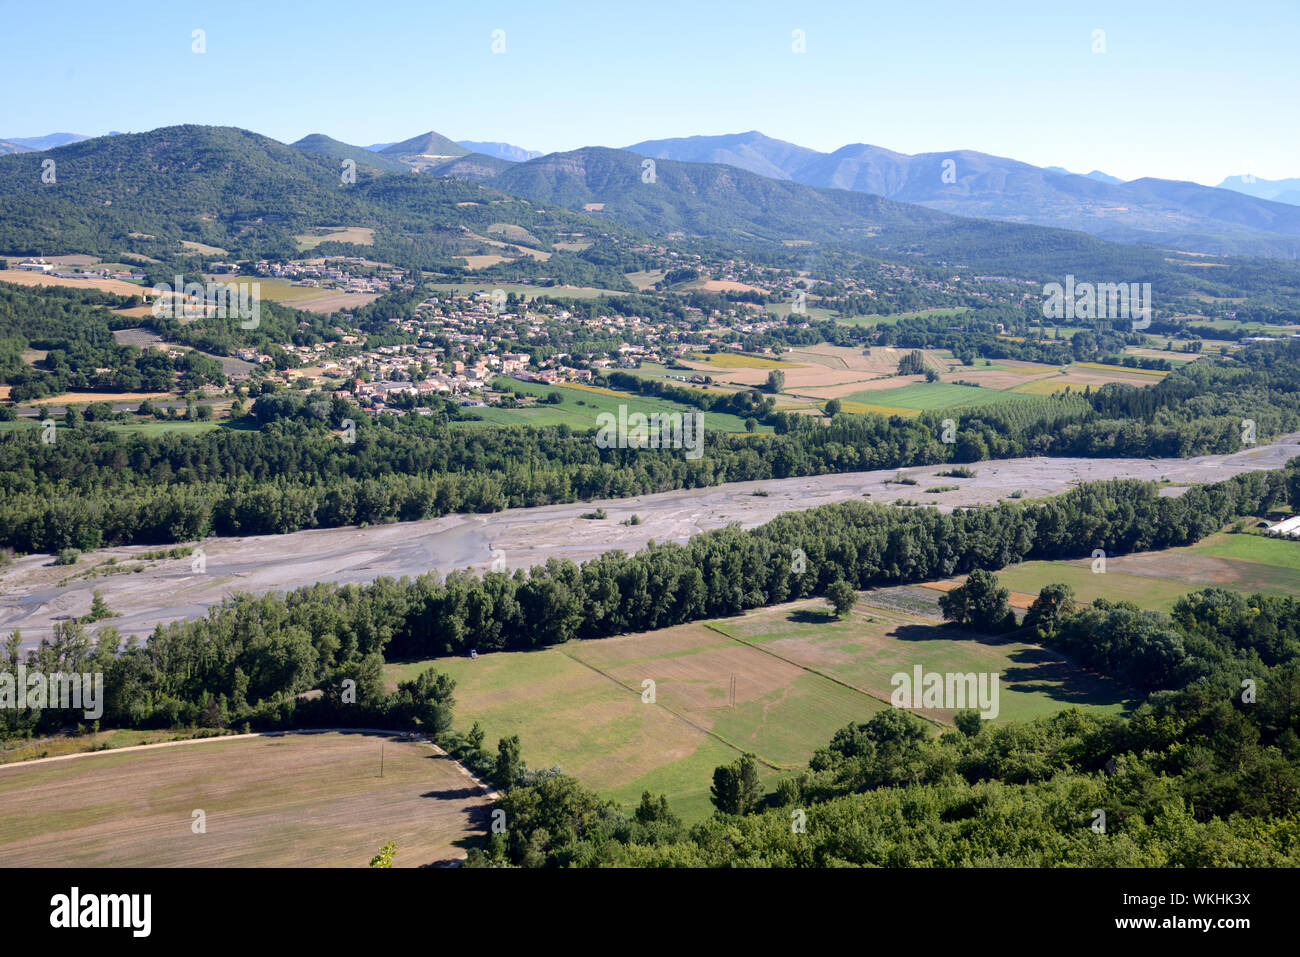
(67, 556)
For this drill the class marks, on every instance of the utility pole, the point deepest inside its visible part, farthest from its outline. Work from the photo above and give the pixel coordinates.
(381, 759)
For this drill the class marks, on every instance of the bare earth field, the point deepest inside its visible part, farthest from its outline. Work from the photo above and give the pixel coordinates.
(295, 800)
(32, 599)
(817, 370)
(21, 277)
(333, 301)
(88, 397)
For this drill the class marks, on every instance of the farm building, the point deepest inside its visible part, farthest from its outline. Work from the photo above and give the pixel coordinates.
(1290, 527)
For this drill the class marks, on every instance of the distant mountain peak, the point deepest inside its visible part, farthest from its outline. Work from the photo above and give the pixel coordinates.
(431, 144)
(327, 146)
(1277, 190)
(47, 142)
(505, 151)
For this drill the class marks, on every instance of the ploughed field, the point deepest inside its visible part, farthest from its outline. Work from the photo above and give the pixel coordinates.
(294, 800)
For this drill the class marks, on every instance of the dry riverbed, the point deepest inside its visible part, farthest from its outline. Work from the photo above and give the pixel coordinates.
(33, 595)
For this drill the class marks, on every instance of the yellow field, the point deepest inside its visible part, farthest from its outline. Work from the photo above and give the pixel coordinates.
(357, 235)
(734, 360)
(861, 408)
(482, 262)
(723, 285)
(594, 388)
(1047, 387)
(78, 398)
(20, 277)
(203, 248)
(1112, 368)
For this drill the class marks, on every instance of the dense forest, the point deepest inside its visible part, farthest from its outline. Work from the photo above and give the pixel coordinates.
(75, 331)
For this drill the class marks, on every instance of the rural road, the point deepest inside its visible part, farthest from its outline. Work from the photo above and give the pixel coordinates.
(485, 788)
(33, 596)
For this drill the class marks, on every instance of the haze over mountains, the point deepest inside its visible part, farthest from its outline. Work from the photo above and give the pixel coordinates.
(1278, 190)
(970, 183)
(1256, 220)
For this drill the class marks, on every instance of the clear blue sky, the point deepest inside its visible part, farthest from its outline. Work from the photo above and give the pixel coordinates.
(1185, 90)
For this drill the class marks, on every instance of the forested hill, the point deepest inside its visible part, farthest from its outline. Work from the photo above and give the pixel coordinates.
(706, 199)
(720, 202)
(242, 192)
(250, 196)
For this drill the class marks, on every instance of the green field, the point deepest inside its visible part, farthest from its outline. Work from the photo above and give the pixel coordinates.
(927, 396)
(581, 406)
(799, 676)
(140, 426)
(159, 427)
(1156, 580)
(811, 312)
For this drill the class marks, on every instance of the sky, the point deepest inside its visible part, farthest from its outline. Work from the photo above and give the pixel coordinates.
(1188, 90)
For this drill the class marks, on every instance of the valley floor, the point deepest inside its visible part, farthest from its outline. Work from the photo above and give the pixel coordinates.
(34, 596)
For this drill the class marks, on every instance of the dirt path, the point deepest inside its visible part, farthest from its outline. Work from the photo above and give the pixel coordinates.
(32, 598)
(487, 789)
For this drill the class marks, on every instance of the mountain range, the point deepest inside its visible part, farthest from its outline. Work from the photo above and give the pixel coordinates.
(241, 191)
(1278, 190)
(970, 183)
(253, 197)
(1242, 216)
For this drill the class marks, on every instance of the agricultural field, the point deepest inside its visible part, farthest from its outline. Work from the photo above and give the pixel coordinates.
(299, 800)
(85, 398)
(1156, 580)
(816, 372)
(646, 278)
(812, 311)
(878, 320)
(799, 675)
(120, 287)
(538, 254)
(357, 235)
(310, 298)
(53, 746)
(203, 248)
(582, 404)
(654, 370)
(922, 397)
(738, 360)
